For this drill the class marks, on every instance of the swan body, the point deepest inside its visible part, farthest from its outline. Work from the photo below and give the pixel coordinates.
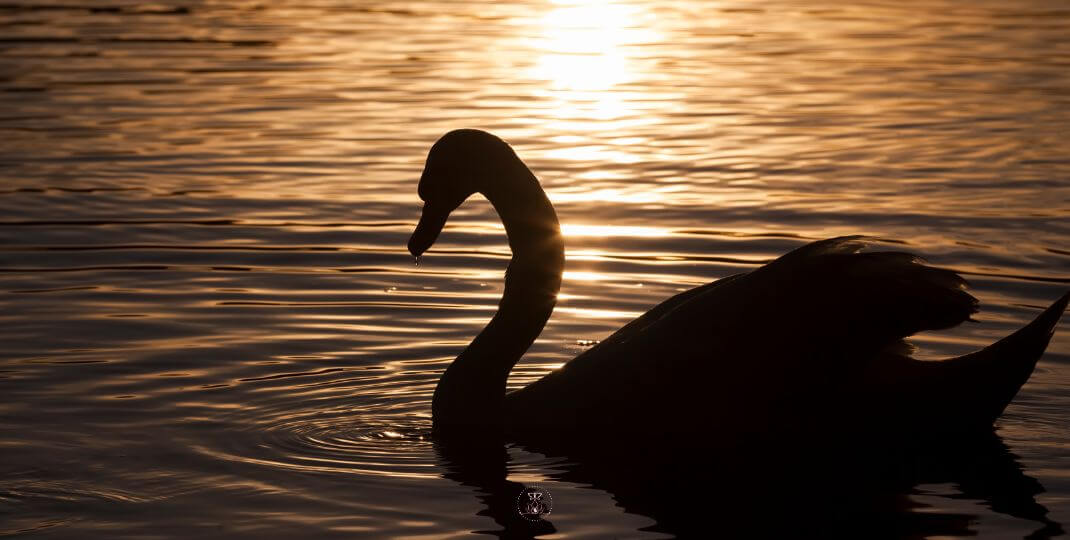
(808, 341)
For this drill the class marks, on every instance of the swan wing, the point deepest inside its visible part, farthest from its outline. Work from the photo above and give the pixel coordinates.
(843, 299)
(817, 333)
(812, 318)
(823, 300)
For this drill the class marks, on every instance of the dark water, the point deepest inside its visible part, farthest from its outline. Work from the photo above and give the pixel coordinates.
(210, 322)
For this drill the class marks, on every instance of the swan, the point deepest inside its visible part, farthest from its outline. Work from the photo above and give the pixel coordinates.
(811, 340)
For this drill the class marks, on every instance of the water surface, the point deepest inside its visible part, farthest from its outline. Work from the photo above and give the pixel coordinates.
(211, 324)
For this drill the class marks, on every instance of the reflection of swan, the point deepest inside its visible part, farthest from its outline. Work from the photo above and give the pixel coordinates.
(809, 341)
(824, 491)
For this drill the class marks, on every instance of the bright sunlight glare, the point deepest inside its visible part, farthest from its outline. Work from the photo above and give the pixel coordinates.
(585, 45)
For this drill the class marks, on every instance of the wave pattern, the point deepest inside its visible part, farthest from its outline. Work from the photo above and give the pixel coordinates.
(207, 305)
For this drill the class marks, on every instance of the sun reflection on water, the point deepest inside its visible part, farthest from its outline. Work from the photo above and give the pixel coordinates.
(633, 231)
(206, 211)
(584, 45)
(609, 195)
(586, 51)
(578, 275)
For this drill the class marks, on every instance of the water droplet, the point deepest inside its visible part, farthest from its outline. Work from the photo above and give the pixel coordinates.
(417, 260)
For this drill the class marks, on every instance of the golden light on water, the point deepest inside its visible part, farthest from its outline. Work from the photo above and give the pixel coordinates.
(584, 313)
(578, 275)
(583, 44)
(607, 195)
(613, 230)
(592, 153)
(207, 208)
(586, 52)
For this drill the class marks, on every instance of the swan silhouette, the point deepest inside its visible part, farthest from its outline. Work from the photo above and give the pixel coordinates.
(810, 341)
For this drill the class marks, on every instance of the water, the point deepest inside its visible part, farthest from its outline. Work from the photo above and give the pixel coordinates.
(210, 320)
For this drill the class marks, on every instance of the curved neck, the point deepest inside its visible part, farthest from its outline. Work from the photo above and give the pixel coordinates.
(472, 390)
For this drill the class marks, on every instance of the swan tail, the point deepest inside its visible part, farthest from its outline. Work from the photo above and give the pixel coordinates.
(996, 373)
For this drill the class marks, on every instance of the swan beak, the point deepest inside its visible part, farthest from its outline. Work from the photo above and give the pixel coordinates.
(431, 222)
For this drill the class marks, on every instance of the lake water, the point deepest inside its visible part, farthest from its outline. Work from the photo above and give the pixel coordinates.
(211, 324)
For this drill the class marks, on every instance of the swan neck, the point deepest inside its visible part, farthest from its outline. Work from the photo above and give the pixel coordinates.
(471, 393)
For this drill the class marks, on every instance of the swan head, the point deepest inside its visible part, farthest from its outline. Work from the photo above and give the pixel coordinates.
(461, 163)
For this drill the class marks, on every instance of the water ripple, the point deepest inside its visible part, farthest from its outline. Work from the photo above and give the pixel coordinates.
(208, 308)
